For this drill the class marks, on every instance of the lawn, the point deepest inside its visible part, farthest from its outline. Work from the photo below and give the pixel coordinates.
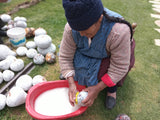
(140, 95)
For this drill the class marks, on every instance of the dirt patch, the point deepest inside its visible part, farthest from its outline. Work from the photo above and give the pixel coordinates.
(23, 5)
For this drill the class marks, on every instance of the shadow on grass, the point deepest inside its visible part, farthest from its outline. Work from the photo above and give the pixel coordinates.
(98, 111)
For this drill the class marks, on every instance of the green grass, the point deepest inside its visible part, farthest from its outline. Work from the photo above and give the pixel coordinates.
(140, 95)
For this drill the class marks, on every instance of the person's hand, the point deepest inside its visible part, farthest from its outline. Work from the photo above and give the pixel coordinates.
(72, 93)
(93, 92)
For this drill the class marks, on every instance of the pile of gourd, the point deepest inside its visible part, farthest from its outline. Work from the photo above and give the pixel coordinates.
(16, 22)
(17, 94)
(41, 49)
(42, 41)
(9, 64)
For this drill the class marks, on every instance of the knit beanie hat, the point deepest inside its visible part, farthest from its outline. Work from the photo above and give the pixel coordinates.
(81, 14)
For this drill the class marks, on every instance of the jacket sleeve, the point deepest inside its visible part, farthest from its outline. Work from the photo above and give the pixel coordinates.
(118, 45)
(66, 53)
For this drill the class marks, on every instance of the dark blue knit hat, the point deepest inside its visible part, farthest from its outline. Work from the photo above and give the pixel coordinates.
(81, 14)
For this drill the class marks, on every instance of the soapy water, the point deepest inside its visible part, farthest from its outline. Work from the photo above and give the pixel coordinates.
(54, 102)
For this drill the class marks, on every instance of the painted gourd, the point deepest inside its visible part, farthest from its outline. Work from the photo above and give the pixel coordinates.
(39, 59)
(80, 96)
(29, 32)
(50, 57)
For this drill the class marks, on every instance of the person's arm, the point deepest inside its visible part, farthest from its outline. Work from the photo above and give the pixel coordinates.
(118, 44)
(66, 55)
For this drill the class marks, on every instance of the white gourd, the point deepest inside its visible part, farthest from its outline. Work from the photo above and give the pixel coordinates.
(38, 59)
(17, 65)
(22, 24)
(40, 31)
(2, 101)
(4, 64)
(23, 19)
(16, 19)
(11, 58)
(5, 18)
(21, 51)
(31, 44)
(8, 75)
(20, 19)
(43, 41)
(25, 82)
(16, 97)
(31, 53)
(5, 51)
(1, 77)
(38, 79)
(51, 48)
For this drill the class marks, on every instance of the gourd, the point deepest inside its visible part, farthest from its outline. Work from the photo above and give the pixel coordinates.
(5, 51)
(31, 44)
(38, 59)
(38, 79)
(43, 41)
(1, 77)
(15, 97)
(2, 101)
(8, 75)
(17, 65)
(20, 19)
(21, 51)
(31, 53)
(22, 24)
(51, 48)
(50, 57)
(5, 18)
(11, 59)
(24, 82)
(29, 32)
(80, 96)
(40, 31)
(4, 64)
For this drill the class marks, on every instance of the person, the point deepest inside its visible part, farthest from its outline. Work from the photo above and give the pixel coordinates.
(3, 33)
(95, 50)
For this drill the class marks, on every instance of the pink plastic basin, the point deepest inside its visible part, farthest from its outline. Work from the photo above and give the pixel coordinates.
(38, 89)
